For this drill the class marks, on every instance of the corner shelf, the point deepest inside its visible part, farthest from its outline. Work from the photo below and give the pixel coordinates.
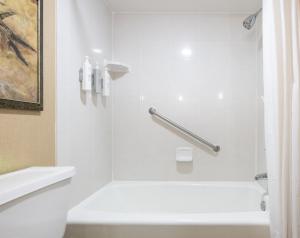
(116, 67)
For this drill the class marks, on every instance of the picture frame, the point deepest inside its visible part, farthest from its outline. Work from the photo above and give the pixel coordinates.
(34, 93)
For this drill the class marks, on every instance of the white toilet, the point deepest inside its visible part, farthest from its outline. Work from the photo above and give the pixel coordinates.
(34, 202)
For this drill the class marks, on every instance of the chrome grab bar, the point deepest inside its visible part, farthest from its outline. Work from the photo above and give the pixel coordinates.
(154, 112)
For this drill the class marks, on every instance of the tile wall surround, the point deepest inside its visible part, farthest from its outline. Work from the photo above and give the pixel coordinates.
(201, 71)
(84, 122)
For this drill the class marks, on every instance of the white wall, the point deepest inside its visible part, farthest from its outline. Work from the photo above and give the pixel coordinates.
(213, 93)
(83, 120)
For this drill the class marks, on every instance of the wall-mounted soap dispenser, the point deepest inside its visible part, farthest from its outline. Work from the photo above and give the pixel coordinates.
(87, 75)
(102, 80)
(98, 78)
(106, 78)
(110, 68)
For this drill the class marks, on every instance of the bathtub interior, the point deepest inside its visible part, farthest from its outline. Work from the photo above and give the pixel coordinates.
(211, 204)
(176, 198)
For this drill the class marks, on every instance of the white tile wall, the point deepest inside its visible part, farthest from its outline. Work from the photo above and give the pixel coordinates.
(84, 129)
(213, 93)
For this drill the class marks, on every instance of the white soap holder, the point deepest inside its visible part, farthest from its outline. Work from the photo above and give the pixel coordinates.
(184, 154)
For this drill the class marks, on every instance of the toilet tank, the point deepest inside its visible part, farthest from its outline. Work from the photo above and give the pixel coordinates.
(34, 202)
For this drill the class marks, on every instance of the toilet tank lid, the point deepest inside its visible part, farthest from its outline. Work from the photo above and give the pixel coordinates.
(20, 183)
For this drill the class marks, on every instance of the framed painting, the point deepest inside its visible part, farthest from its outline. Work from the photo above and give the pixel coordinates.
(21, 54)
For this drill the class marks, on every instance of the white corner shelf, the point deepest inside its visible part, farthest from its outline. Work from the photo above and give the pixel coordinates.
(116, 67)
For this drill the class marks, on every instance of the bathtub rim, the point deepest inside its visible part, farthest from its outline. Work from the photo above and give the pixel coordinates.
(80, 215)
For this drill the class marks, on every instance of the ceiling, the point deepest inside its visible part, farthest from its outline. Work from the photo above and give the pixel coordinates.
(222, 6)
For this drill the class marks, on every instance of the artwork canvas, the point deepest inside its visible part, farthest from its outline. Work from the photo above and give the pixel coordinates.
(21, 81)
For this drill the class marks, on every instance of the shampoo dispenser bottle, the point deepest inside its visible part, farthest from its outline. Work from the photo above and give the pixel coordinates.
(98, 78)
(106, 83)
(87, 75)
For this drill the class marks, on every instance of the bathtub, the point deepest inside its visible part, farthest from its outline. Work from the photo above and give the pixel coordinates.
(171, 209)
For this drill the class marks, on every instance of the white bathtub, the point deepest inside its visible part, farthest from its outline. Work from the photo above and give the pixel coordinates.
(171, 209)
